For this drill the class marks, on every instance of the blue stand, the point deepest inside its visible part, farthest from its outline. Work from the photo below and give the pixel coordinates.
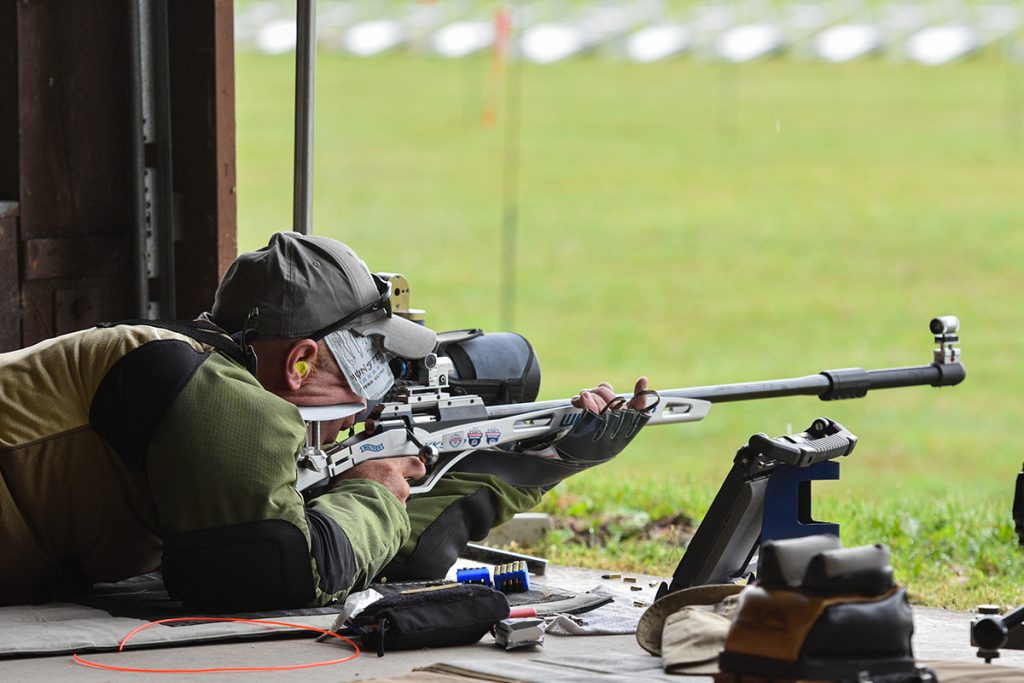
(787, 502)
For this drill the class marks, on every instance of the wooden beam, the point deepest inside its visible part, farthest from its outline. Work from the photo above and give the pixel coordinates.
(74, 115)
(75, 168)
(73, 257)
(10, 288)
(8, 105)
(203, 139)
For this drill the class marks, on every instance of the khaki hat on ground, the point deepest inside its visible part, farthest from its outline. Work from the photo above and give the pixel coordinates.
(692, 639)
(652, 622)
(307, 287)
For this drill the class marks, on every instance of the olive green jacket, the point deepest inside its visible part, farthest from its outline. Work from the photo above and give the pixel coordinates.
(88, 488)
(127, 446)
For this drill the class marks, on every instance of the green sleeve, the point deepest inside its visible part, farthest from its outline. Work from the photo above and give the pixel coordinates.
(375, 522)
(461, 507)
(506, 500)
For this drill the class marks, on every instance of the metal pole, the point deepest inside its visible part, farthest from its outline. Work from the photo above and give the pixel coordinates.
(139, 213)
(163, 190)
(510, 175)
(305, 85)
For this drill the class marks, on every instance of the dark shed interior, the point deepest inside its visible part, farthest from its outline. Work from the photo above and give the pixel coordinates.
(117, 161)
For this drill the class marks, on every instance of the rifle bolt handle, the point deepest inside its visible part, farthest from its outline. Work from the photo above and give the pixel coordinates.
(429, 455)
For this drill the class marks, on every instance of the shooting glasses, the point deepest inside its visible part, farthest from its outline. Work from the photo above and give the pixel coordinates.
(383, 302)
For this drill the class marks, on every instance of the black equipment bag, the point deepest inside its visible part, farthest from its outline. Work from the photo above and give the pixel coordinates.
(449, 614)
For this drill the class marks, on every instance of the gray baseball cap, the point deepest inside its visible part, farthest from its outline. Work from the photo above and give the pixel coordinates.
(307, 286)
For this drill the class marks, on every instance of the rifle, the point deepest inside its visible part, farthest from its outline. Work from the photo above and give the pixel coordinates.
(426, 420)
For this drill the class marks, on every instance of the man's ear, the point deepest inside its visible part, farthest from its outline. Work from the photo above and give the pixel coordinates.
(299, 362)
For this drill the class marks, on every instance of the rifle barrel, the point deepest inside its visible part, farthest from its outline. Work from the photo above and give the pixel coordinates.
(827, 385)
(811, 385)
(936, 374)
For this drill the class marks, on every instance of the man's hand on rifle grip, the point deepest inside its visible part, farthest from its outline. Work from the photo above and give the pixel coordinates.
(393, 473)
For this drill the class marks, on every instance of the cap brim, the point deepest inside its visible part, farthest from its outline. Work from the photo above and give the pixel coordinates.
(401, 337)
(652, 622)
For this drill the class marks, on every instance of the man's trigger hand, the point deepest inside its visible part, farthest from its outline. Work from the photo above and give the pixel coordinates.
(393, 473)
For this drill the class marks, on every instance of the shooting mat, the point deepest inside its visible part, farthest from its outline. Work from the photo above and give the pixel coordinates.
(99, 620)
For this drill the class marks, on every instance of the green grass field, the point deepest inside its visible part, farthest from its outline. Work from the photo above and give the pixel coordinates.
(700, 224)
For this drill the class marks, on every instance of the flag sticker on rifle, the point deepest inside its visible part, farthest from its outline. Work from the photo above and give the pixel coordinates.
(454, 440)
(493, 435)
(474, 436)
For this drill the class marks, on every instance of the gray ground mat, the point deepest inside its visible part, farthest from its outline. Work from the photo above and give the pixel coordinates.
(99, 620)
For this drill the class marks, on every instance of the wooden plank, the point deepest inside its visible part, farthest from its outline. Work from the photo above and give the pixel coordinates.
(203, 139)
(54, 307)
(36, 312)
(75, 165)
(9, 159)
(10, 291)
(74, 116)
(76, 308)
(227, 184)
(76, 257)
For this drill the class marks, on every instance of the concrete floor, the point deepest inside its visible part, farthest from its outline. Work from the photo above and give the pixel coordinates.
(940, 634)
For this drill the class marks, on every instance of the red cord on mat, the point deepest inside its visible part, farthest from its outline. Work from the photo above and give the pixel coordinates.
(286, 667)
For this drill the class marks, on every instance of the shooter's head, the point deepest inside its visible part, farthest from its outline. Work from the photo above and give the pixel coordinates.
(313, 293)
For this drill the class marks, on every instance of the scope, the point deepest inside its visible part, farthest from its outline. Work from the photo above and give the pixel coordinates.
(500, 367)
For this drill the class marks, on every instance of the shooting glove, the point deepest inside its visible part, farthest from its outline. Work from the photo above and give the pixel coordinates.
(599, 437)
(594, 439)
